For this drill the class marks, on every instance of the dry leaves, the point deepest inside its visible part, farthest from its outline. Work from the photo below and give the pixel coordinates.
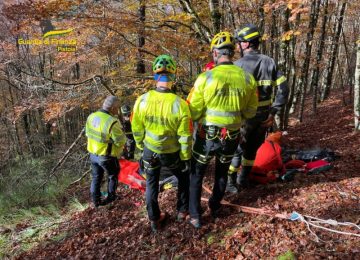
(122, 230)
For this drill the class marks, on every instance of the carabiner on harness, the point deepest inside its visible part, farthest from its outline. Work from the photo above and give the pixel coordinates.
(212, 132)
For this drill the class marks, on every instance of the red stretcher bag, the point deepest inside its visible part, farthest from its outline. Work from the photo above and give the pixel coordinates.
(317, 166)
(129, 175)
(268, 165)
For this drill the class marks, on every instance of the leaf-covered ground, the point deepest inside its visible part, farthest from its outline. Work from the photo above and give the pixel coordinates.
(121, 230)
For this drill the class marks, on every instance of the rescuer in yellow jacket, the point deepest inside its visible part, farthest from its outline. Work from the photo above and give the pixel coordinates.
(105, 144)
(221, 99)
(161, 125)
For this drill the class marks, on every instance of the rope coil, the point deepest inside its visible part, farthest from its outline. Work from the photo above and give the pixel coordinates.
(295, 216)
(317, 223)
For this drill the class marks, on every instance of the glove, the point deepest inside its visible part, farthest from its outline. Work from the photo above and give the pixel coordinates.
(185, 166)
(268, 122)
(140, 146)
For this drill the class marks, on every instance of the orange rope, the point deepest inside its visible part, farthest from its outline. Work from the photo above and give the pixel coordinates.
(259, 211)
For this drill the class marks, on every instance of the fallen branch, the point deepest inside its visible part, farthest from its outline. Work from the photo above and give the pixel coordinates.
(53, 80)
(259, 211)
(59, 163)
(42, 226)
(38, 228)
(82, 177)
(100, 80)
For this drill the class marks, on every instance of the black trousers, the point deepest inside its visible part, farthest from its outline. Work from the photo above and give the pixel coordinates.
(253, 135)
(152, 166)
(100, 165)
(203, 151)
(129, 149)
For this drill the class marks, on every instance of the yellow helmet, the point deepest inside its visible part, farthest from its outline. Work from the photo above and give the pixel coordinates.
(222, 40)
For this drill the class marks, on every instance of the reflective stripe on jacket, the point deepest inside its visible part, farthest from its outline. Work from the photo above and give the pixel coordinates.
(281, 94)
(104, 134)
(161, 121)
(264, 70)
(223, 97)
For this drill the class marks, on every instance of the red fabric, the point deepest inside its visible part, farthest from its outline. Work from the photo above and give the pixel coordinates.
(295, 164)
(223, 133)
(268, 165)
(129, 175)
(317, 166)
(274, 137)
(209, 66)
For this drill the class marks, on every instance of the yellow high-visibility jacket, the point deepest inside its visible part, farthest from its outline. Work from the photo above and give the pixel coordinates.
(224, 97)
(162, 122)
(104, 134)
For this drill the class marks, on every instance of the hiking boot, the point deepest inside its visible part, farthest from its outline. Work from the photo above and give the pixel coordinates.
(214, 213)
(231, 183)
(243, 178)
(108, 199)
(94, 205)
(195, 222)
(243, 184)
(181, 216)
(156, 224)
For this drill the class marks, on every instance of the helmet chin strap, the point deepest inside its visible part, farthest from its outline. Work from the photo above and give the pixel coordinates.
(164, 77)
(242, 50)
(216, 59)
(218, 55)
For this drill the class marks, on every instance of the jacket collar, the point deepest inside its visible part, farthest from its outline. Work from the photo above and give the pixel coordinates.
(104, 111)
(225, 63)
(251, 52)
(163, 90)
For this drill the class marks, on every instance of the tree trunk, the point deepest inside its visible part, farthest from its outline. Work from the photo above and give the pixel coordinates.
(262, 24)
(51, 66)
(140, 65)
(273, 35)
(292, 97)
(292, 72)
(315, 79)
(284, 64)
(357, 90)
(215, 15)
(230, 14)
(330, 70)
(305, 68)
(27, 127)
(18, 147)
(77, 70)
(200, 27)
(341, 81)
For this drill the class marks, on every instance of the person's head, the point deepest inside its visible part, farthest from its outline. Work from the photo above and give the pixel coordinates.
(111, 104)
(209, 66)
(164, 69)
(222, 47)
(126, 112)
(247, 37)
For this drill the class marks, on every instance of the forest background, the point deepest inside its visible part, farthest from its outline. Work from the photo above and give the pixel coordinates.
(47, 94)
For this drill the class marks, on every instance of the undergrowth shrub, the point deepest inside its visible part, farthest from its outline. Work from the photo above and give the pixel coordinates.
(20, 180)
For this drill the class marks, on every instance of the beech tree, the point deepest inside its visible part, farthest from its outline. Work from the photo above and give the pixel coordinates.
(117, 40)
(357, 89)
